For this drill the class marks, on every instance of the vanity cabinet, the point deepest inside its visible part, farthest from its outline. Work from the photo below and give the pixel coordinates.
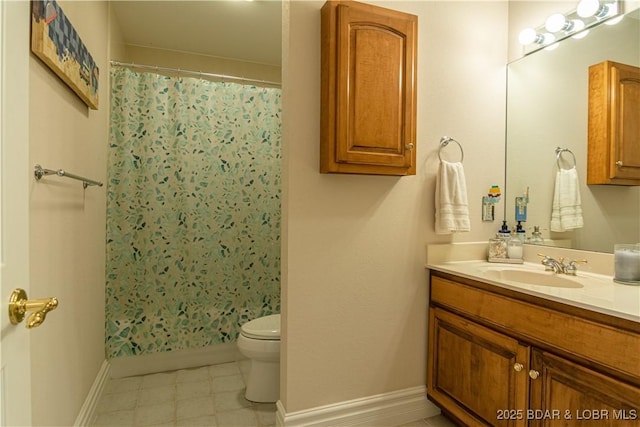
(499, 357)
(584, 394)
(613, 125)
(368, 90)
(478, 367)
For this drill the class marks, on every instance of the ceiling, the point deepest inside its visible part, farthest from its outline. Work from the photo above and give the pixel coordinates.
(238, 29)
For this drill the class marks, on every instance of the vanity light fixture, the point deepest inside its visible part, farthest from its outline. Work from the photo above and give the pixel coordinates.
(589, 8)
(552, 46)
(574, 24)
(530, 36)
(581, 34)
(614, 21)
(558, 22)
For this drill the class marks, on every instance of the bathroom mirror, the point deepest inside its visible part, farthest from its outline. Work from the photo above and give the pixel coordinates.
(547, 107)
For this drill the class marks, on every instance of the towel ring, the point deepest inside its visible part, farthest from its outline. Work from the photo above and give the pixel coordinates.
(444, 141)
(559, 152)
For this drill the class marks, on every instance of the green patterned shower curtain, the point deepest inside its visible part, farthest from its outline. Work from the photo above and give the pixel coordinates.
(193, 211)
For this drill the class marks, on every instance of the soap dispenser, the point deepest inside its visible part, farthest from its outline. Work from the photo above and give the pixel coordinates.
(515, 250)
(521, 234)
(504, 233)
(536, 236)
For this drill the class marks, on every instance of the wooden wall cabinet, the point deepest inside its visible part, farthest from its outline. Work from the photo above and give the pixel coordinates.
(497, 360)
(614, 124)
(368, 100)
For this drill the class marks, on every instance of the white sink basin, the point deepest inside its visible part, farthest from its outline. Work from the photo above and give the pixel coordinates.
(530, 277)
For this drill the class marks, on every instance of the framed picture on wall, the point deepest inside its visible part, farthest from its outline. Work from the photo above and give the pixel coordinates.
(56, 42)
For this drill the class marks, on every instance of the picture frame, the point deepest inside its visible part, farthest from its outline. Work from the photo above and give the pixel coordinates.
(56, 42)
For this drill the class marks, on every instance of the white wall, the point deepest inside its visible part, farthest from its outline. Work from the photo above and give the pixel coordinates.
(67, 226)
(354, 286)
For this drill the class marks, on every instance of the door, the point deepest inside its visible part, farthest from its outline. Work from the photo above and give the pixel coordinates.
(15, 378)
(625, 126)
(566, 394)
(368, 109)
(478, 375)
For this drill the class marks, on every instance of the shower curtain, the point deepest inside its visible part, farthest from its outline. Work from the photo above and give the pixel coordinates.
(193, 211)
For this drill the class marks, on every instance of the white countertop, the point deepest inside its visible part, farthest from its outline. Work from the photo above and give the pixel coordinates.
(598, 292)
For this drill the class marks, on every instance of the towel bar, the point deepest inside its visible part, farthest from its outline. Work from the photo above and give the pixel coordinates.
(39, 172)
(559, 152)
(444, 141)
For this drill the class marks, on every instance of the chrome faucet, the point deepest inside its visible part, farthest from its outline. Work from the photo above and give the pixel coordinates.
(552, 264)
(559, 266)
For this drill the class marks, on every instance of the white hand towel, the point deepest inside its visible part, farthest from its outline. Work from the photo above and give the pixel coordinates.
(566, 210)
(452, 208)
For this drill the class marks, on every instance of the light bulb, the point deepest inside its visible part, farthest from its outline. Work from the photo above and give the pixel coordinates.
(587, 8)
(577, 25)
(527, 36)
(614, 21)
(581, 34)
(553, 46)
(555, 22)
(547, 38)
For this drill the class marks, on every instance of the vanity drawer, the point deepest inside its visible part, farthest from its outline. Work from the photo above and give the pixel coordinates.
(593, 343)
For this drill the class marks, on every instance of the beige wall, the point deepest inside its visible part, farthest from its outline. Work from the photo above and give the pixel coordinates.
(354, 284)
(67, 226)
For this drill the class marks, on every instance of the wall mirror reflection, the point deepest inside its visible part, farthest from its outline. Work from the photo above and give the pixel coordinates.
(547, 108)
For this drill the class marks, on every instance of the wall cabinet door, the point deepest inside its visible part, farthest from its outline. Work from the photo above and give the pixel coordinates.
(566, 394)
(478, 375)
(614, 125)
(368, 111)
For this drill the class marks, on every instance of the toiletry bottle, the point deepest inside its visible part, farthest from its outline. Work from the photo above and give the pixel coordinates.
(504, 233)
(536, 236)
(515, 249)
(521, 234)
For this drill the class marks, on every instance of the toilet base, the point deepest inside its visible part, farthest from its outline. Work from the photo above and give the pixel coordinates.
(263, 382)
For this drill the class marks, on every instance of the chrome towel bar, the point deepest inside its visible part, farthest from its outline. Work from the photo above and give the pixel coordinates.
(444, 141)
(559, 152)
(39, 172)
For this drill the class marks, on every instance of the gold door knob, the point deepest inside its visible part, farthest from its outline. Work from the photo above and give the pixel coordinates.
(518, 367)
(534, 374)
(619, 163)
(19, 305)
(410, 146)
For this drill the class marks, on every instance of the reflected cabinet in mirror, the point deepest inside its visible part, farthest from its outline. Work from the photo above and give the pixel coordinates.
(547, 108)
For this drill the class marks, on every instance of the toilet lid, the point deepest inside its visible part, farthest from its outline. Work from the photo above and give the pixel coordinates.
(263, 328)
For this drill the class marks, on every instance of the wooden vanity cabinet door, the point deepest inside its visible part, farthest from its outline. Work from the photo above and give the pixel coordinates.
(614, 124)
(368, 111)
(566, 394)
(472, 372)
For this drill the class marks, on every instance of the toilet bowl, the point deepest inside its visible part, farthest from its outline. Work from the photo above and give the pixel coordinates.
(259, 341)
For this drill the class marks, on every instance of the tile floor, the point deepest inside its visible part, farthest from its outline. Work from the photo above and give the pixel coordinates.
(211, 396)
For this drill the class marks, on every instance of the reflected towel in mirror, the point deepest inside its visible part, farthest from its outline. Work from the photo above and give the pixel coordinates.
(452, 207)
(566, 210)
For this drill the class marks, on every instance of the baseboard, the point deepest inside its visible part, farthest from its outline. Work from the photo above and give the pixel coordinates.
(388, 409)
(88, 410)
(173, 360)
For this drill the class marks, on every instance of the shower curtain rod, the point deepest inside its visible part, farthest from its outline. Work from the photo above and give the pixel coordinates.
(195, 73)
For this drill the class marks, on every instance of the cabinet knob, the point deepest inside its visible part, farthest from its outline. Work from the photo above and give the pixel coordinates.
(517, 367)
(619, 163)
(409, 146)
(534, 374)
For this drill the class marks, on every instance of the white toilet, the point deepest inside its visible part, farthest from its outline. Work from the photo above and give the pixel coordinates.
(259, 340)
